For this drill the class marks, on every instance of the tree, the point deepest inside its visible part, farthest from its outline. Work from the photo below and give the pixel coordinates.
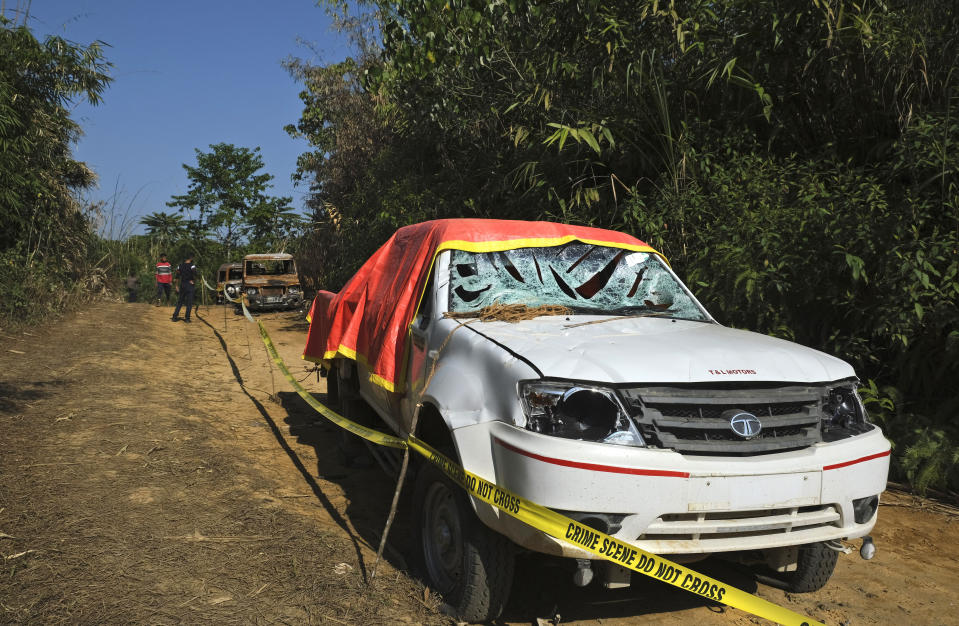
(164, 227)
(39, 207)
(225, 191)
(45, 233)
(272, 224)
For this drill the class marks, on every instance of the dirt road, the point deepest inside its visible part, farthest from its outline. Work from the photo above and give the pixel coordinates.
(166, 473)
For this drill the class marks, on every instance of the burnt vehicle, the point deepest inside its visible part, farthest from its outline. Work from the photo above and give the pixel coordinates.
(229, 280)
(270, 281)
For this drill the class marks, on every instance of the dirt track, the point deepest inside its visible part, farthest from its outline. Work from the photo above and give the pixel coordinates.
(165, 473)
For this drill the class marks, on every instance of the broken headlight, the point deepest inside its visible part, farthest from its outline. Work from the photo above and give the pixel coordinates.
(843, 414)
(576, 411)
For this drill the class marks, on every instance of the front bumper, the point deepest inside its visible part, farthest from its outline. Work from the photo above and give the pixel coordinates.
(669, 503)
(258, 302)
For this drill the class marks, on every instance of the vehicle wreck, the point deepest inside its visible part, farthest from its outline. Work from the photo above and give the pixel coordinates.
(270, 281)
(229, 281)
(620, 403)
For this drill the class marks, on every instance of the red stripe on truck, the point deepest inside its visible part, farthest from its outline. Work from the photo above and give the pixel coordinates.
(878, 455)
(592, 466)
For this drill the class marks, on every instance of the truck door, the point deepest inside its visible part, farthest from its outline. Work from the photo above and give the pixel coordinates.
(419, 359)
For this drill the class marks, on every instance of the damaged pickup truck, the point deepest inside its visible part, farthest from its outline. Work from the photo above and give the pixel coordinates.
(616, 400)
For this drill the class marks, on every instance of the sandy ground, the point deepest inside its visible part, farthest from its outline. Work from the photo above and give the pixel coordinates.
(166, 473)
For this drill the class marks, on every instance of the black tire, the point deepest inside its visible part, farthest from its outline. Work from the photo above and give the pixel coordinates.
(332, 388)
(469, 564)
(813, 570)
(354, 408)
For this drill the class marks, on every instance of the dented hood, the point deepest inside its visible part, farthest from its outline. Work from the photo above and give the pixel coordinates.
(658, 350)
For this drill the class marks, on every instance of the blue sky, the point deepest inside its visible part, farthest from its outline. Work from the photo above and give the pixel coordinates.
(187, 74)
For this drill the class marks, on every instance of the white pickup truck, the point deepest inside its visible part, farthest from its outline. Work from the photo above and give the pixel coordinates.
(627, 408)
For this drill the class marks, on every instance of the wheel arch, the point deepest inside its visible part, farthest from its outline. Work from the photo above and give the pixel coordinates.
(432, 429)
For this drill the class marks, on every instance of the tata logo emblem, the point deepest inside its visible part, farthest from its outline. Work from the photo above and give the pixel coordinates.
(746, 425)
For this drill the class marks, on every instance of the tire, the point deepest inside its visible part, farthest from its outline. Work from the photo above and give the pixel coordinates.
(332, 388)
(354, 408)
(469, 564)
(813, 570)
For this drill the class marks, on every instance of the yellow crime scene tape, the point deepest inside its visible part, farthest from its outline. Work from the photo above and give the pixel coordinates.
(548, 521)
(369, 434)
(225, 295)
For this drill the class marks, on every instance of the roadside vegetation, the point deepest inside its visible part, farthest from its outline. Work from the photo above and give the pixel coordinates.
(45, 230)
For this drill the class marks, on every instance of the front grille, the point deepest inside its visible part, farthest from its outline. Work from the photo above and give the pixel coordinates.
(697, 421)
(713, 412)
(272, 291)
(718, 528)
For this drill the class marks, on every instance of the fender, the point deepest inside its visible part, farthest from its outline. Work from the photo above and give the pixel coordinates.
(471, 366)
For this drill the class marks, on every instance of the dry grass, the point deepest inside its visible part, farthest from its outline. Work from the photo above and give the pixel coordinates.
(511, 312)
(123, 501)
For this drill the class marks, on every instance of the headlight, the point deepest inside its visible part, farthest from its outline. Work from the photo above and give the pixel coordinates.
(251, 291)
(843, 414)
(575, 411)
(294, 289)
(231, 289)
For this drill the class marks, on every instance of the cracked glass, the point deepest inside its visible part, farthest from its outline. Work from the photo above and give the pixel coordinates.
(583, 277)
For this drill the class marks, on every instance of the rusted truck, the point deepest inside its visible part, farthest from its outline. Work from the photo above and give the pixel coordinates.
(270, 281)
(229, 280)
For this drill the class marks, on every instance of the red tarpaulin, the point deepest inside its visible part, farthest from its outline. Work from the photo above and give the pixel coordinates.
(369, 319)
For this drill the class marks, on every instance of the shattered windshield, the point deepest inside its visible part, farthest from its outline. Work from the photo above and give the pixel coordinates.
(270, 267)
(583, 277)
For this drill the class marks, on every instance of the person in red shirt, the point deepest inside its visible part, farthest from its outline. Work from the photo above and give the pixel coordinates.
(164, 276)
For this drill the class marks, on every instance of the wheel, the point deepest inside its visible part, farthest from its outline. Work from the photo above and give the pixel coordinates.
(813, 570)
(354, 408)
(469, 564)
(332, 389)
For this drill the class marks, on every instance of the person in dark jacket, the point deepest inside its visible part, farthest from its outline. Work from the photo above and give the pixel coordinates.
(186, 275)
(133, 285)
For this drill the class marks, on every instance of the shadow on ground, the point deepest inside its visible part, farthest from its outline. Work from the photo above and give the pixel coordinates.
(15, 396)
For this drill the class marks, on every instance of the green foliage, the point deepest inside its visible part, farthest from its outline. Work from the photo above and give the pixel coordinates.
(164, 227)
(44, 231)
(932, 460)
(227, 200)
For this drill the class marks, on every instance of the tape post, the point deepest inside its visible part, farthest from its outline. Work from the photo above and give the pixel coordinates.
(548, 521)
